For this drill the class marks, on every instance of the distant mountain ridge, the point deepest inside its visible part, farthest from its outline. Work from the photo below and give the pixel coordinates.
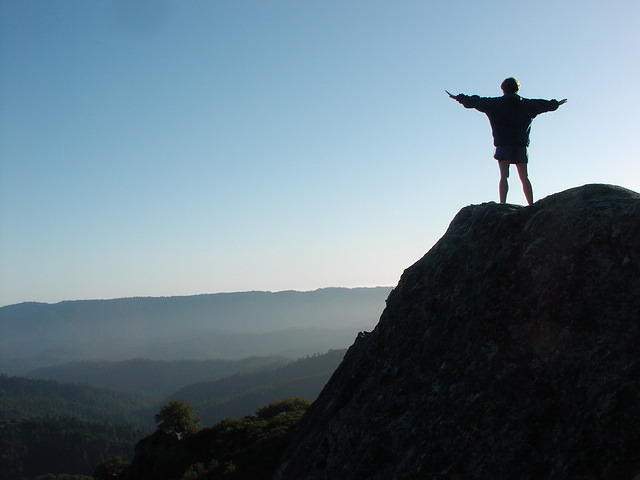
(200, 307)
(199, 326)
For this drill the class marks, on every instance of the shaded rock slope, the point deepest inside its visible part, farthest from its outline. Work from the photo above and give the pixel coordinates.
(510, 350)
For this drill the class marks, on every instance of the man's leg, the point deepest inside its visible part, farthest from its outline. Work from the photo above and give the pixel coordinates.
(503, 187)
(526, 184)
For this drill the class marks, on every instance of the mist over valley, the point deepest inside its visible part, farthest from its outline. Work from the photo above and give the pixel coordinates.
(214, 326)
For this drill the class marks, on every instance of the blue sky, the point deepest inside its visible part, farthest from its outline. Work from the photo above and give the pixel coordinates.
(174, 147)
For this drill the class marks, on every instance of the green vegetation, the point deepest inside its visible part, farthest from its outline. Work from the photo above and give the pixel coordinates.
(39, 436)
(110, 468)
(155, 378)
(241, 394)
(246, 448)
(54, 431)
(283, 406)
(63, 445)
(177, 417)
(250, 447)
(22, 398)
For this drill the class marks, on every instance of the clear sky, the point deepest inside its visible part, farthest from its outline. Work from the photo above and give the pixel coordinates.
(156, 147)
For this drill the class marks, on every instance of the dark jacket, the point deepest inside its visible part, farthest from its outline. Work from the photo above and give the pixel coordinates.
(510, 115)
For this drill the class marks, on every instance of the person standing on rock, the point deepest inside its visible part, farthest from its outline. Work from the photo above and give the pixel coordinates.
(510, 116)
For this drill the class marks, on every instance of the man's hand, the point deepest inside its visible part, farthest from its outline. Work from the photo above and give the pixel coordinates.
(562, 102)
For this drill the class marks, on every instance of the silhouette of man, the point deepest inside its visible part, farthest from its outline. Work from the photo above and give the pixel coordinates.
(510, 117)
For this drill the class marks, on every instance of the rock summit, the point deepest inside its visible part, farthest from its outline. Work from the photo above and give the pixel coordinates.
(510, 350)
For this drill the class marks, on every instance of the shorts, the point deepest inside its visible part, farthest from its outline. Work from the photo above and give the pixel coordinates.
(512, 154)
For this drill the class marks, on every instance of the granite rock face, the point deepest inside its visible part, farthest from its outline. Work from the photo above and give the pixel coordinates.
(510, 350)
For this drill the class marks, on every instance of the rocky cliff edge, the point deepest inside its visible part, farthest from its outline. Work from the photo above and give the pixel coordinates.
(510, 350)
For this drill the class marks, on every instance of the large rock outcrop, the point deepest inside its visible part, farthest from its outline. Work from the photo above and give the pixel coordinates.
(510, 350)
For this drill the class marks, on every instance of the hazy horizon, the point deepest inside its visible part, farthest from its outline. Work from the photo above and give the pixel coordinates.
(199, 294)
(232, 326)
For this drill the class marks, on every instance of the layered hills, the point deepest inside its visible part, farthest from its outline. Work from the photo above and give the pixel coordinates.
(243, 393)
(224, 326)
(510, 350)
(152, 378)
(22, 398)
(39, 419)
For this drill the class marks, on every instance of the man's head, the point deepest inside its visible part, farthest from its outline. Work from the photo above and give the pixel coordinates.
(510, 85)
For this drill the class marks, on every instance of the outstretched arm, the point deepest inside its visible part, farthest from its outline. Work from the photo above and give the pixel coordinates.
(472, 101)
(541, 106)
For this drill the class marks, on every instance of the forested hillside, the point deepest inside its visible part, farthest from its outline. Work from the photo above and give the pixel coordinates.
(247, 448)
(241, 394)
(22, 398)
(51, 427)
(152, 377)
(31, 447)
